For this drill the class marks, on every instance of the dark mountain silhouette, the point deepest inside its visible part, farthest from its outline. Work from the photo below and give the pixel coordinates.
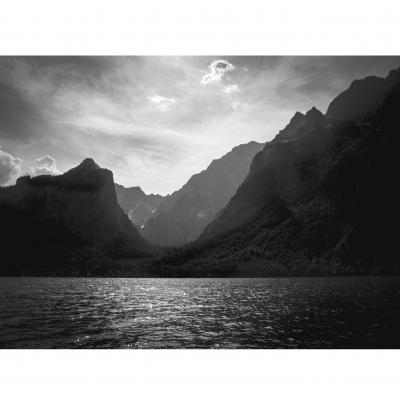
(47, 220)
(182, 216)
(321, 198)
(362, 97)
(138, 205)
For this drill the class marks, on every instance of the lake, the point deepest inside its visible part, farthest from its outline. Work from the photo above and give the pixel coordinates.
(200, 313)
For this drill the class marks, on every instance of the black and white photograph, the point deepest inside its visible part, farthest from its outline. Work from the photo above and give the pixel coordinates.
(208, 202)
(200, 202)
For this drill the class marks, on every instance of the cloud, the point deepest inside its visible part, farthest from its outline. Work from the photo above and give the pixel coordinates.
(161, 102)
(231, 89)
(240, 105)
(217, 70)
(76, 107)
(10, 167)
(45, 166)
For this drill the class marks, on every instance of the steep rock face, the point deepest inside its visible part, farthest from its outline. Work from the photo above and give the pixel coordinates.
(182, 216)
(138, 205)
(363, 96)
(54, 215)
(320, 198)
(287, 168)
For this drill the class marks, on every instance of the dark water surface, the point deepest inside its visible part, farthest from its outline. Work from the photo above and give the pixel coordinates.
(200, 313)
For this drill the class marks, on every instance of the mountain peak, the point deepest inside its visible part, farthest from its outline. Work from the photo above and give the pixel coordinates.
(298, 116)
(362, 96)
(368, 80)
(88, 163)
(299, 124)
(89, 175)
(135, 189)
(314, 112)
(393, 76)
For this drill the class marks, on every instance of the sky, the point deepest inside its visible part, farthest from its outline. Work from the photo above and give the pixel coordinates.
(156, 121)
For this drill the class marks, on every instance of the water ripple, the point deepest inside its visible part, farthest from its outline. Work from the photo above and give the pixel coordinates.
(199, 313)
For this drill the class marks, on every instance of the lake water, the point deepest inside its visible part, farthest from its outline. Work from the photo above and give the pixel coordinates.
(200, 313)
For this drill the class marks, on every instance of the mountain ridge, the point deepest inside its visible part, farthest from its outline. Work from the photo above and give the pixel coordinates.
(138, 205)
(181, 216)
(303, 208)
(319, 199)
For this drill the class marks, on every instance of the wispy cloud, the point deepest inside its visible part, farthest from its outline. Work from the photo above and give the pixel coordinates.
(218, 69)
(161, 102)
(231, 89)
(149, 119)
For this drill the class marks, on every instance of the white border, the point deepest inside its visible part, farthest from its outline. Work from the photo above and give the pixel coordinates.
(147, 27)
(199, 27)
(199, 375)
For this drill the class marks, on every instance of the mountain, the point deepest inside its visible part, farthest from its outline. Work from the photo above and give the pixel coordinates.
(321, 198)
(362, 97)
(183, 215)
(49, 220)
(138, 205)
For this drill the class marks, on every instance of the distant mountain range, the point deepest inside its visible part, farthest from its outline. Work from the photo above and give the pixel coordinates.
(182, 216)
(138, 205)
(321, 198)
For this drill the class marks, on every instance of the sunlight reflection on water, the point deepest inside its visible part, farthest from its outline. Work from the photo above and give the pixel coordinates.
(199, 313)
